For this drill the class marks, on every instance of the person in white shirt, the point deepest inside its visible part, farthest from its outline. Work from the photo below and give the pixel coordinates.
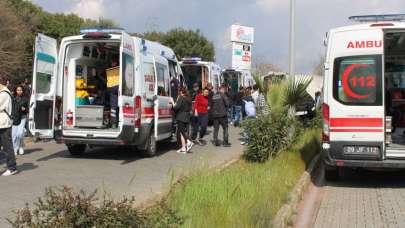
(6, 122)
(255, 94)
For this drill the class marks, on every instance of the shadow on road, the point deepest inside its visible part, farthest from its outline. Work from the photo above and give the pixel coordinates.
(362, 178)
(26, 166)
(32, 150)
(125, 153)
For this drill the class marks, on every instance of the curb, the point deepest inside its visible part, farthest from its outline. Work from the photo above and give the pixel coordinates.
(287, 211)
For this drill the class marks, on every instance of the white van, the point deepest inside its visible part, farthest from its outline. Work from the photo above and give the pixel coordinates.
(102, 87)
(237, 78)
(364, 95)
(197, 71)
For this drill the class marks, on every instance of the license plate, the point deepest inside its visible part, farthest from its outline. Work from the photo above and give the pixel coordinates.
(359, 150)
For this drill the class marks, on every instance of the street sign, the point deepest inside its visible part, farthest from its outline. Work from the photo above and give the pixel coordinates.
(241, 56)
(242, 34)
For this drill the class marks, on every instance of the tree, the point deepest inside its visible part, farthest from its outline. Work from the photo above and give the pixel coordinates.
(33, 20)
(13, 44)
(319, 67)
(185, 43)
(262, 69)
(190, 43)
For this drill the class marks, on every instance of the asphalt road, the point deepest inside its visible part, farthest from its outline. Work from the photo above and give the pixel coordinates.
(117, 171)
(362, 199)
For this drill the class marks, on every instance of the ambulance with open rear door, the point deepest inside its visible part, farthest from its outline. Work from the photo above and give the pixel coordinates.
(364, 95)
(103, 87)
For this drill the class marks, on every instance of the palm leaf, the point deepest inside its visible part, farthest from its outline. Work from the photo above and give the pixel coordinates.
(259, 82)
(296, 90)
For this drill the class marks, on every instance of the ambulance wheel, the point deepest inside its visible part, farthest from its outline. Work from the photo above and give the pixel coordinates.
(76, 149)
(331, 173)
(151, 146)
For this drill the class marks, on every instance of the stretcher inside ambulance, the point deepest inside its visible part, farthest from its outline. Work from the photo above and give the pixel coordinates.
(92, 78)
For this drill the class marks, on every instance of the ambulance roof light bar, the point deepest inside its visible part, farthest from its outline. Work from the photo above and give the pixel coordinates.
(378, 18)
(191, 59)
(101, 30)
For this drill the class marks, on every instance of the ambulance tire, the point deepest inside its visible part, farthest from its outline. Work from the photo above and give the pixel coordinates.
(331, 173)
(76, 149)
(151, 146)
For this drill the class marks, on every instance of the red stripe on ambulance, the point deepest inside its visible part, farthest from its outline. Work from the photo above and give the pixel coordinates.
(355, 130)
(356, 122)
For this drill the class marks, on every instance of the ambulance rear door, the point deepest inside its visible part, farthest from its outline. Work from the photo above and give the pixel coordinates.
(44, 81)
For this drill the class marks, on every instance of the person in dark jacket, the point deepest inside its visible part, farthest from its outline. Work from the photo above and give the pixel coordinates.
(238, 105)
(19, 120)
(219, 105)
(182, 108)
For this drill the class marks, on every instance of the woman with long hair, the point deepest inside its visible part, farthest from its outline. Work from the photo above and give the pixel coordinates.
(19, 119)
(182, 108)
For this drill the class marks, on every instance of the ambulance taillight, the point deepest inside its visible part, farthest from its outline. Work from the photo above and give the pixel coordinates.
(138, 111)
(69, 118)
(326, 123)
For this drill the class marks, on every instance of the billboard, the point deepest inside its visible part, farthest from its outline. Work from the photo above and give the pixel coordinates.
(241, 56)
(242, 34)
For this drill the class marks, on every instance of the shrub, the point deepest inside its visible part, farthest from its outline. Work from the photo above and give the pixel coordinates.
(61, 207)
(275, 96)
(267, 135)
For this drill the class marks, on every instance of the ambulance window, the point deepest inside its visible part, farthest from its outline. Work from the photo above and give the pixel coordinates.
(44, 76)
(128, 75)
(149, 77)
(162, 80)
(172, 69)
(358, 80)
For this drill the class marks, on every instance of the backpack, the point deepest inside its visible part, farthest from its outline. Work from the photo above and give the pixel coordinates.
(250, 109)
(15, 114)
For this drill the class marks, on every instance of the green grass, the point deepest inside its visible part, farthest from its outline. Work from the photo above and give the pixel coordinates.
(244, 194)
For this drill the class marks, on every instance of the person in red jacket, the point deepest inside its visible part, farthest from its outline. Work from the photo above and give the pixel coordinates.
(201, 112)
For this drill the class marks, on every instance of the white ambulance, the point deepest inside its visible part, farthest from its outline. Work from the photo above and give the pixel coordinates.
(202, 72)
(103, 87)
(364, 95)
(237, 78)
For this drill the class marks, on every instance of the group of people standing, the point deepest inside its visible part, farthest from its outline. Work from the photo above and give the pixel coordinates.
(220, 108)
(14, 102)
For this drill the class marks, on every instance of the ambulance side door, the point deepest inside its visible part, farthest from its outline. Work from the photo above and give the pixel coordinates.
(44, 81)
(162, 109)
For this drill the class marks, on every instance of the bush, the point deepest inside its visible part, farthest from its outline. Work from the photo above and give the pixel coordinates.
(61, 207)
(267, 135)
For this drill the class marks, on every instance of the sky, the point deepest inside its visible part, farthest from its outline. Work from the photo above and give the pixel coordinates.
(270, 18)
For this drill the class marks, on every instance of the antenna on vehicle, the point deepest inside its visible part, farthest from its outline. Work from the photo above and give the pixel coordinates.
(378, 18)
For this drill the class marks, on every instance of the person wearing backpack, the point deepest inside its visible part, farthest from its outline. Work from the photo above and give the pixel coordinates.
(249, 110)
(249, 105)
(19, 119)
(6, 122)
(218, 105)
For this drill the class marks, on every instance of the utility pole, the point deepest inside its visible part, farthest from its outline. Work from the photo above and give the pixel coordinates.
(292, 39)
